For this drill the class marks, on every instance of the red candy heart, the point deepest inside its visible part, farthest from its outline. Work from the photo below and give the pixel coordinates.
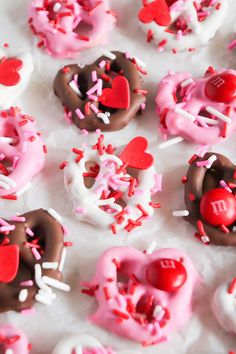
(134, 154)
(9, 75)
(9, 262)
(221, 87)
(157, 11)
(166, 274)
(118, 96)
(217, 207)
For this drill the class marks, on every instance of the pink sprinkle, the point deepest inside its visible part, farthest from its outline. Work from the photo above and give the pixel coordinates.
(27, 283)
(99, 89)
(232, 45)
(92, 90)
(225, 186)
(102, 64)
(179, 35)
(94, 108)
(3, 222)
(35, 253)
(65, 230)
(143, 106)
(28, 312)
(15, 160)
(80, 210)
(158, 182)
(67, 118)
(202, 163)
(29, 232)
(84, 132)
(79, 113)
(18, 218)
(93, 98)
(127, 55)
(94, 76)
(7, 228)
(2, 157)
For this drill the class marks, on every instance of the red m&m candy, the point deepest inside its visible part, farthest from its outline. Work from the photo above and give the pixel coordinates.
(221, 87)
(217, 207)
(166, 274)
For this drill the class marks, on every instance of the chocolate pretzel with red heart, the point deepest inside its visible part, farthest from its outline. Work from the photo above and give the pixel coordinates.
(105, 95)
(31, 249)
(210, 198)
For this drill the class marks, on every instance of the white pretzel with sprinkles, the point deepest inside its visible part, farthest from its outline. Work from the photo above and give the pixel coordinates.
(117, 197)
(181, 24)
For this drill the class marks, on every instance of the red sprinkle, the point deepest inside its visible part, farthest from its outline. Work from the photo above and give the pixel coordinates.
(232, 286)
(63, 165)
(123, 315)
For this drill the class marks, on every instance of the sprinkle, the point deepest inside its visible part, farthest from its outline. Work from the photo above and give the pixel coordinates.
(180, 213)
(23, 295)
(218, 114)
(38, 279)
(7, 228)
(8, 181)
(104, 117)
(27, 283)
(23, 189)
(55, 283)
(205, 239)
(185, 114)
(36, 254)
(210, 121)
(170, 142)
(201, 228)
(43, 299)
(120, 314)
(114, 229)
(54, 214)
(113, 158)
(232, 45)
(28, 312)
(225, 186)
(107, 293)
(102, 64)
(94, 108)
(99, 87)
(79, 113)
(94, 76)
(56, 7)
(63, 258)
(187, 82)
(158, 312)
(50, 265)
(4, 139)
(232, 286)
(29, 232)
(75, 88)
(109, 55)
(151, 248)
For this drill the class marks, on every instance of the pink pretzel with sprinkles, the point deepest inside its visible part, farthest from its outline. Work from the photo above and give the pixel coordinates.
(22, 152)
(142, 296)
(63, 26)
(202, 110)
(12, 340)
(110, 189)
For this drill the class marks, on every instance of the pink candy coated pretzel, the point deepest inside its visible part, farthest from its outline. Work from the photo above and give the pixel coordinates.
(12, 340)
(64, 26)
(199, 110)
(142, 296)
(22, 152)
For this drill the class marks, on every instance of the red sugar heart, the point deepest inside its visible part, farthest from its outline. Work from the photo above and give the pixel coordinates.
(134, 154)
(221, 87)
(9, 75)
(157, 11)
(9, 262)
(118, 96)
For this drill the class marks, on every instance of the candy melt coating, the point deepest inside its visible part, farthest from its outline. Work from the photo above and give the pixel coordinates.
(25, 151)
(193, 101)
(124, 269)
(223, 306)
(83, 341)
(198, 33)
(67, 42)
(19, 346)
(9, 93)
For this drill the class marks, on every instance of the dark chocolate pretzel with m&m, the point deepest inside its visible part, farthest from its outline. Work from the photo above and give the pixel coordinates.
(210, 198)
(31, 257)
(105, 95)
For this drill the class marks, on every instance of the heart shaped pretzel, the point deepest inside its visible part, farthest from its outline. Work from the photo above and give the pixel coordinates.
(210, 200)
(15, 72)
(22, 152)
(199, 110)
(142, 296)
(31, 259)
(109, 189)
(66, 27)
(181, 24)
(105, 95)
(12, 340)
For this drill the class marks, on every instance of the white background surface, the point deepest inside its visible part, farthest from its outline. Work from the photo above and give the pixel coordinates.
(69, 312)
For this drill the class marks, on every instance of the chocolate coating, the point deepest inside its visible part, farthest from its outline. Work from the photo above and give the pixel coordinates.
(199, 181)
(119, 118)
(50, 238)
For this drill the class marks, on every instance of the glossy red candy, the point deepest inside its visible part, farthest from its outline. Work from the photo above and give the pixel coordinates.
(9, 75)
(217, 207)
(157, 11)
(9, 263)
(134, 154)
(221, 87)
(118, 96)
(166, 274)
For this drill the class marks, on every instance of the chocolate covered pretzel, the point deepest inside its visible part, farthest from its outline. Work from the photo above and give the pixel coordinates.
(210, 198)
(105, 95)
(31, 252)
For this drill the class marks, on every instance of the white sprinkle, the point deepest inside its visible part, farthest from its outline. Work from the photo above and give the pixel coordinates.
(4, 139)
(63, 258)
(55, 283)
(43, 299)
(109, 55)
(51, 296)
(50, 265)
(75, 88)
(185, 114)
(208, 120)
(151, 248)
(23, 295)
(105, 201)
(211, 160)
(218, 114)
(8, 180)
(116, 207)
(111, 158)
(158, 312)
(103, 117)
(4, 185)
(186, 82)
(38, 279)
(179, 213)
(56, 7)
(54, 214)
(23, 190)
(170, 142)
(205, 239)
